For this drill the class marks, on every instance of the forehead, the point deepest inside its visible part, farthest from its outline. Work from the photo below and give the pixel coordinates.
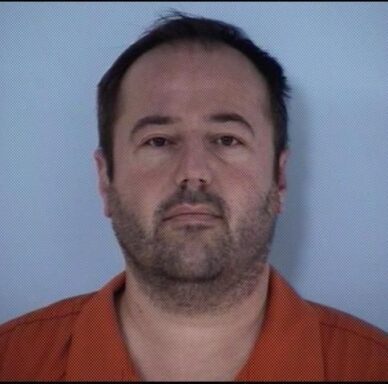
(188, 72)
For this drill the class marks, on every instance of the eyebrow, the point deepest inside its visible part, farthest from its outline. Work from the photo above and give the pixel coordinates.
(152, 120)
(223, 117)
(226, 117)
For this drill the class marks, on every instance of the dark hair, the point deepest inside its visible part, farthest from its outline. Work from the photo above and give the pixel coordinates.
(177, 27)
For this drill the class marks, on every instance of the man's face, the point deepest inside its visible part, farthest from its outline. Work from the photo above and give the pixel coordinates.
(193, 199)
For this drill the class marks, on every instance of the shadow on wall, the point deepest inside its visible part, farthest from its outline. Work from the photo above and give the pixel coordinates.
(291, 227)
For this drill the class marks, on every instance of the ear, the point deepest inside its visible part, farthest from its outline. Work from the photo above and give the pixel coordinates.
(282, 180)
(103, 179)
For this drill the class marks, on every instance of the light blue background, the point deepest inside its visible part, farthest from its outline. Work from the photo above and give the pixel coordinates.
(332, 240)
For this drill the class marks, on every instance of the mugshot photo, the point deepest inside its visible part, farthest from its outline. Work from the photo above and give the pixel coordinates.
(193, 191)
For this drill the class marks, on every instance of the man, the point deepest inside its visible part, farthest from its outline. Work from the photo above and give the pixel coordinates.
(191, 165)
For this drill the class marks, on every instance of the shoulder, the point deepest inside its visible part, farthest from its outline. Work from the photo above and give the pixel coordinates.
(57, 313)
(40, 336)
(352, 348)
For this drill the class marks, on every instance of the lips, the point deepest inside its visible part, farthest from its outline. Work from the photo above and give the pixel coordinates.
(191, 211)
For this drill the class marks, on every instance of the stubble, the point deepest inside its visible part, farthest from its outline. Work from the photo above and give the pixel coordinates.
(196, 270)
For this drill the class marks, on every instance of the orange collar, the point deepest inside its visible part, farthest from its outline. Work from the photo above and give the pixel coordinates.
(289, 346)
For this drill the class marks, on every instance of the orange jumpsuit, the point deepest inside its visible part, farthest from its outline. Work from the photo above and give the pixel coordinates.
(79, 339)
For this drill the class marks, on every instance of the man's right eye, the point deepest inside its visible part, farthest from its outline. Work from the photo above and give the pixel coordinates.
(157, 142)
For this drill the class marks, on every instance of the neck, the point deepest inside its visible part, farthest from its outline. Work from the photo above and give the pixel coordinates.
(138, 308)
(147, 326)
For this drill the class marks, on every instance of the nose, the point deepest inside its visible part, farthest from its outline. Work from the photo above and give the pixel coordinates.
(193, 170)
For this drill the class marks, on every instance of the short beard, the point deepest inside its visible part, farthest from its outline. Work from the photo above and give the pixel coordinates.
(188, 271)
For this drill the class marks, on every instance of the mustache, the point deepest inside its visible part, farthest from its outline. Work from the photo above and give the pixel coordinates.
(188, 196)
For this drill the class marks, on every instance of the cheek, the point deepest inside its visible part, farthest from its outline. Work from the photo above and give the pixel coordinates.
(244, 188)
(140, 184)
(142, 191)
(239, 188)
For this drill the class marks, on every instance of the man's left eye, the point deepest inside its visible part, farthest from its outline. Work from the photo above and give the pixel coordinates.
(227, 141)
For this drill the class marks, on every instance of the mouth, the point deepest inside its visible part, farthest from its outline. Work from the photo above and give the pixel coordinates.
(193, 218)
(186, 214)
